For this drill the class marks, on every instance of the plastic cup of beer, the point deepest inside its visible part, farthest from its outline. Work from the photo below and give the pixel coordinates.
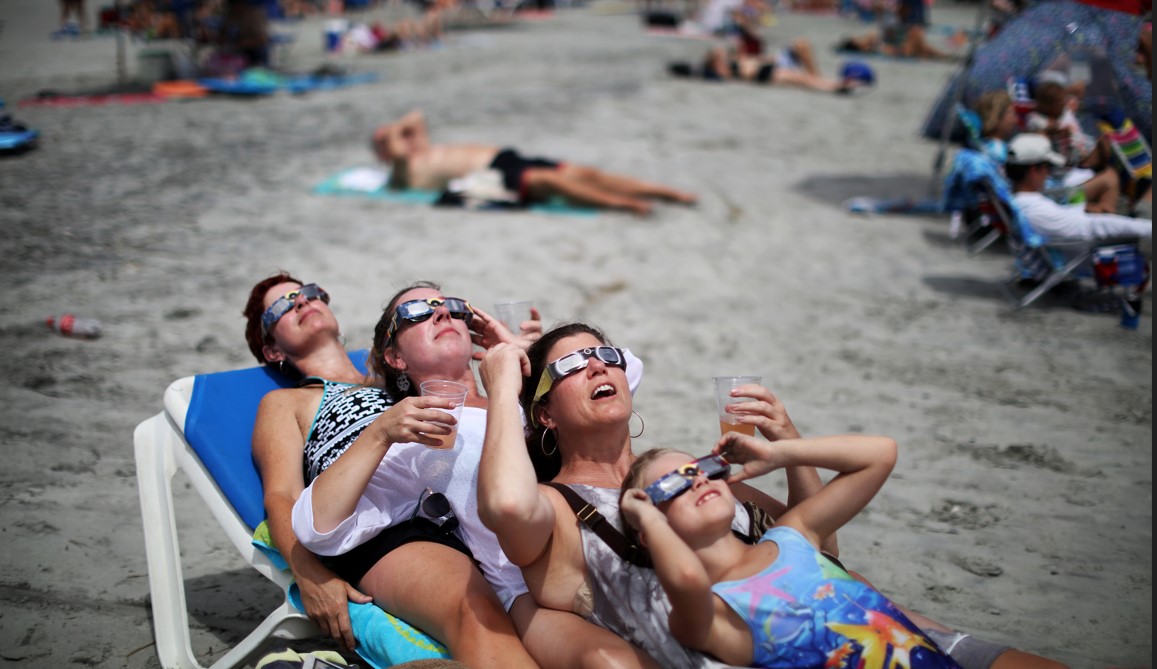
(723, 398)
(456, 393)
(512, 314)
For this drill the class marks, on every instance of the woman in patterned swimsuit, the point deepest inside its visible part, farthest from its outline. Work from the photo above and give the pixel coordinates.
(300, 431)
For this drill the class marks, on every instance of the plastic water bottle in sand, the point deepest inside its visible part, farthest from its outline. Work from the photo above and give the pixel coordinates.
(71, 326)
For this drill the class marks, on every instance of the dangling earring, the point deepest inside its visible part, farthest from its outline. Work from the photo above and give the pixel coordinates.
(403, 382)
(542, 444)
(642, 425)
(341, 339)
(281, 368)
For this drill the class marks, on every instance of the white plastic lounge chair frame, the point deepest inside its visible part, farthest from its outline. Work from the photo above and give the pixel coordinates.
(161, 451)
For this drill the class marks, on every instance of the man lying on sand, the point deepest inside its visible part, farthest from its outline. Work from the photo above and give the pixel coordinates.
(416, 163)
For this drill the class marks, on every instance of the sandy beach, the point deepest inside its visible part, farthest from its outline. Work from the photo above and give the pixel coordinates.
(1020, 510)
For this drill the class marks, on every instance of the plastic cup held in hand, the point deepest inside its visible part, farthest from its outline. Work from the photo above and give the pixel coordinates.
(723, 398)
(512, 314)
(456, 393)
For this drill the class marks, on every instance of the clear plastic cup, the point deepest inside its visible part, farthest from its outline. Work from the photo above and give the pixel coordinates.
(723, 398)
(512, 314)
(456, 393)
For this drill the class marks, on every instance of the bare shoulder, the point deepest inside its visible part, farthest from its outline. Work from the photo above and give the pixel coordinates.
(290, 400)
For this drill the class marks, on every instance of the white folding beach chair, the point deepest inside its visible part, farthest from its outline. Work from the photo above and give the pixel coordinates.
(205, 431)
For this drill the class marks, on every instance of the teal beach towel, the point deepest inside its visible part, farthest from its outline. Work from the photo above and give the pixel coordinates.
(370, 183)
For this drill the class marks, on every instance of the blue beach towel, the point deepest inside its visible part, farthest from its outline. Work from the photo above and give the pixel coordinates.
(383, 640)
(256, 82)
(14, 136)
(370, 183)
(14, 141)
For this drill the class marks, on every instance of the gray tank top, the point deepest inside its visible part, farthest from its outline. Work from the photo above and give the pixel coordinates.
(629, 600)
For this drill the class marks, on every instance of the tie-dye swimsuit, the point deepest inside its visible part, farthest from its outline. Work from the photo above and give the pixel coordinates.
(803, 611)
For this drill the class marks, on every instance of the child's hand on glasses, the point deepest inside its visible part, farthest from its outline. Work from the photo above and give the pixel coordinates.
(637, 509)
(503, 368)
(755, 456)
(766, 413)
(418, 420)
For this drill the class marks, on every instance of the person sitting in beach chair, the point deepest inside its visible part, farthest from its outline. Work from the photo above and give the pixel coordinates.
(791, 66)
(1031, 159)
(302, 432)
(417, 163)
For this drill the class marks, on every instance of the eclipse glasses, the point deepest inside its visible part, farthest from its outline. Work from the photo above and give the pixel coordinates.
(573, 362)
(284, 304)
(671, 485)
(416, 311)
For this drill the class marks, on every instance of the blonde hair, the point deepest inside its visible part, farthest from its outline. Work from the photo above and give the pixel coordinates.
(991, 108)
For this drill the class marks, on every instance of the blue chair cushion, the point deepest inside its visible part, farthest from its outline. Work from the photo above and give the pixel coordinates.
(219, 428)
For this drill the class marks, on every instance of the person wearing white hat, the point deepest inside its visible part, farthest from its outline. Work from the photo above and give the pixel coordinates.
(1031, 159)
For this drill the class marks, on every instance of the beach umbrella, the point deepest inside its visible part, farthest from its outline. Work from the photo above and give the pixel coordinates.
(1037, 38)
(954, 92)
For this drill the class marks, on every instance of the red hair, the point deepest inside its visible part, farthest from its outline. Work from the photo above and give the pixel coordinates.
(257, 339)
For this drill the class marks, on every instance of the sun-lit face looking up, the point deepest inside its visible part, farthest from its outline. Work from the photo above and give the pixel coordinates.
(309, 315)
(440, 343)
(706, 501)
(596, 396)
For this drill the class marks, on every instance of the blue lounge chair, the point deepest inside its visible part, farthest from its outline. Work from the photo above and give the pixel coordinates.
(205, 431)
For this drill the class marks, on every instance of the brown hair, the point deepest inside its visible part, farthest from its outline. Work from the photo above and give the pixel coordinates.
(539, 439)
(254, 307)
(1049, 93)
(381, 373)
(991, 108)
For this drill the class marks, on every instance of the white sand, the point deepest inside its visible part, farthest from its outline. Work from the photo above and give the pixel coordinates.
(1020, 511)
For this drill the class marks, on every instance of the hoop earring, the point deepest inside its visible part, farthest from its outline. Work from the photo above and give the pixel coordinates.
(642, 425)
(403, 382)
(542, 444)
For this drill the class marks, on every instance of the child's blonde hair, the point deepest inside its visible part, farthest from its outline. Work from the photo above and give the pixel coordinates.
(991, 108)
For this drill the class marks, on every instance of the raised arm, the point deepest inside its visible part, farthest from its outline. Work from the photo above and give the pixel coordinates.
(770, 417)
(322, 514)
(396, 142)
(277, 450)
(862, 462)
(680, 571)
(510, 501)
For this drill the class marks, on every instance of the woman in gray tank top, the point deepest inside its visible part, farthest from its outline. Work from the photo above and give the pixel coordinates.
(579, 410)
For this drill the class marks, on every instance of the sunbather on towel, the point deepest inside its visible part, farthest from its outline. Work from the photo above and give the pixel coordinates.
(791, 66)
(416, 163)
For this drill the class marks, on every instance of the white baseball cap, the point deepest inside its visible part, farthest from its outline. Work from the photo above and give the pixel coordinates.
(1030, 148)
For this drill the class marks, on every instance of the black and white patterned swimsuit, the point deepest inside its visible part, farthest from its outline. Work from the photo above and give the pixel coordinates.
(346, 409)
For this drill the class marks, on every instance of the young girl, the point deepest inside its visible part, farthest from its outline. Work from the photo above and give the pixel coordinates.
(779, 603)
